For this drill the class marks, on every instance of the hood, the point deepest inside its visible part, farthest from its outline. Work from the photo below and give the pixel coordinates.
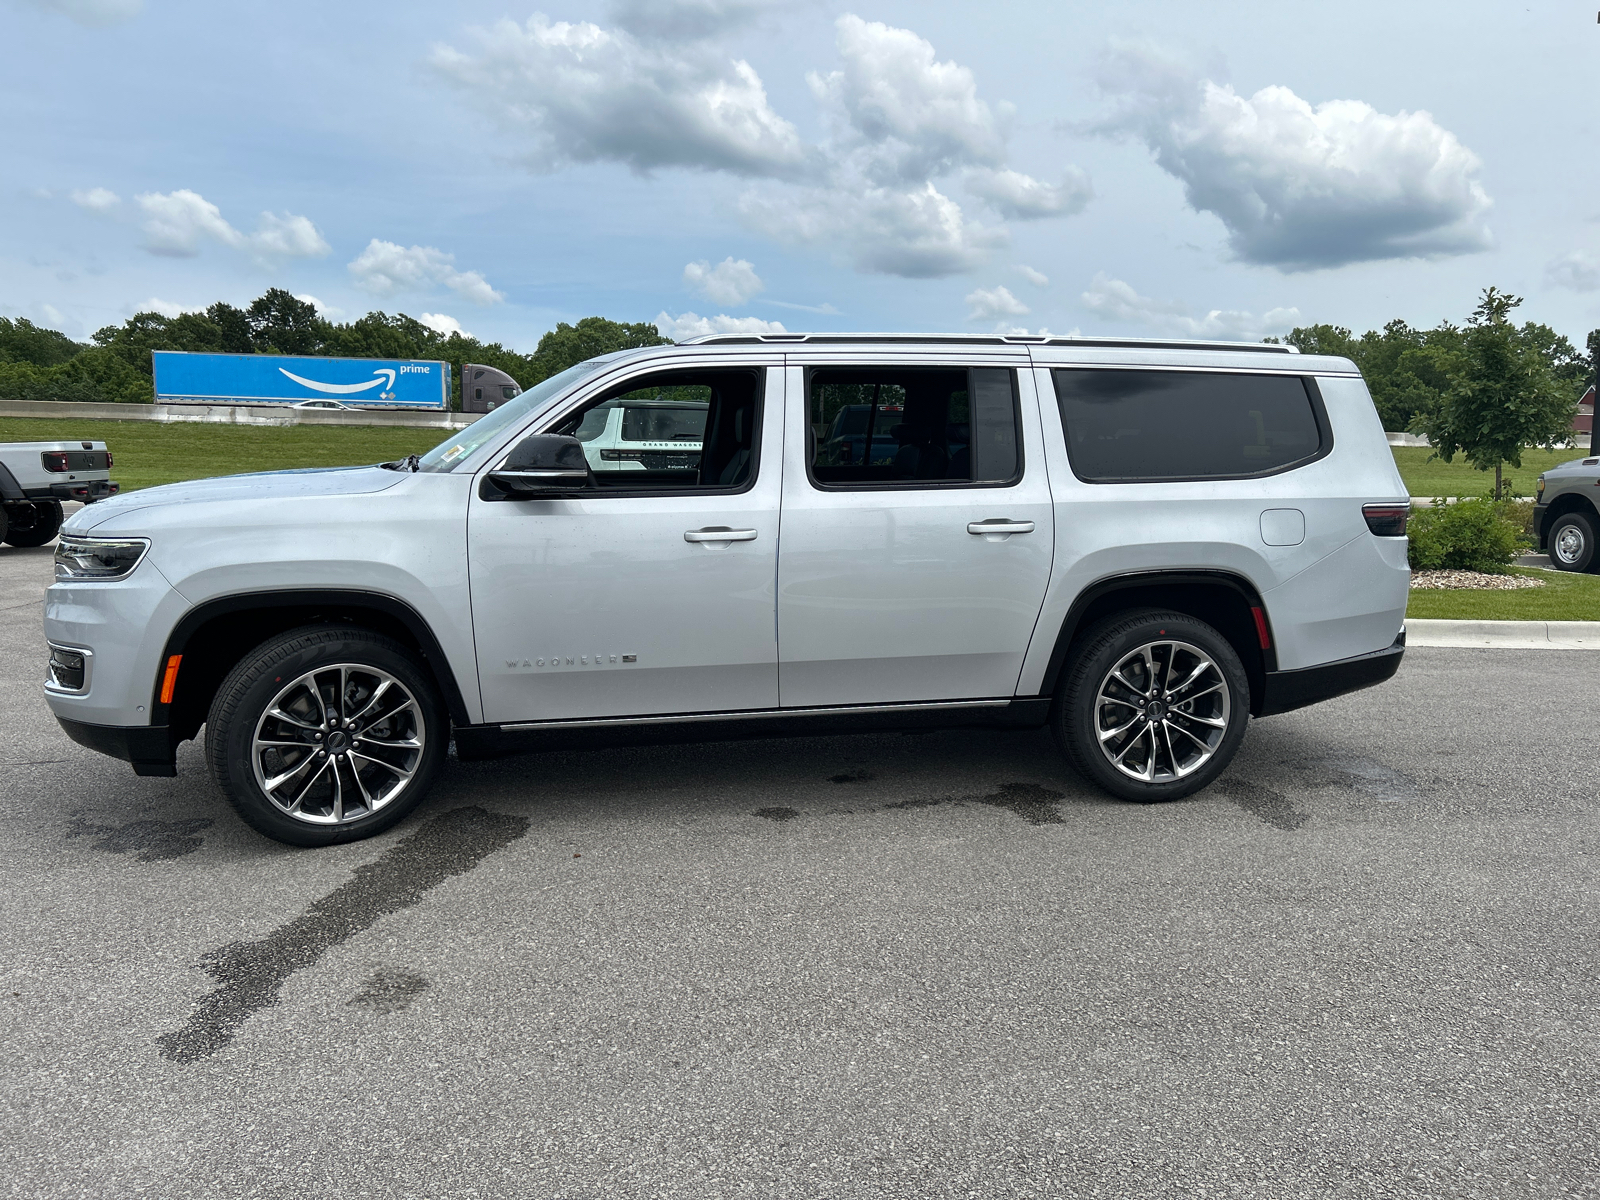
(264, 485)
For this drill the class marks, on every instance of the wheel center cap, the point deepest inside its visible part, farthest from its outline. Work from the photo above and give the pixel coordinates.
(337, 741)
(1155, 710)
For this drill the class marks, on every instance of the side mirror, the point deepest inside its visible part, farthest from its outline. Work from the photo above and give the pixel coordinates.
(540, 466)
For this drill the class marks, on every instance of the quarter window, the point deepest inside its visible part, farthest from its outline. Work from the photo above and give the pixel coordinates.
(1128, 426)
(899, 427)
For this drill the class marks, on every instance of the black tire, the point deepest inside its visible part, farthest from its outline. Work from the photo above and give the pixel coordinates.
(296, 670)
(5, 522)
(1571, 542)
(32, 524)
(1218, 710)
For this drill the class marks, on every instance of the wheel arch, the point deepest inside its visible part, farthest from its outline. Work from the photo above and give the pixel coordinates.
(214, 636)
(1568, 502)
(1223, 599)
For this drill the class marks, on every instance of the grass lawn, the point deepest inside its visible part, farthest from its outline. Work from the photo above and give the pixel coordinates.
(1563, 598)
(1438, 478)
(148, 453)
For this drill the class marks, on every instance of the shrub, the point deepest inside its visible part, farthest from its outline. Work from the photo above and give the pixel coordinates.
(1469, 535)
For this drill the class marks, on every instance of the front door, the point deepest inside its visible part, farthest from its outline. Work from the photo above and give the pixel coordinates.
(913, 570)
(654, 593)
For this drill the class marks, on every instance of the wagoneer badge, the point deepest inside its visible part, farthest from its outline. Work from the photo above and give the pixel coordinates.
(571, 660)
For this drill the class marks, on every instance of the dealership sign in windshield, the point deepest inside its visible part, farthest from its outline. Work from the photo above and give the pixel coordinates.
(183, 378)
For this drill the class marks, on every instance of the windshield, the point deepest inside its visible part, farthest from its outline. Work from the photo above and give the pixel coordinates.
(459, 445)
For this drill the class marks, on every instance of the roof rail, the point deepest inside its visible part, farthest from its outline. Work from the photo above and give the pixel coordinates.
(991, 339)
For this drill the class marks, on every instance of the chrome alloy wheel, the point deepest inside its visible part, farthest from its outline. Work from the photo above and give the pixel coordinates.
(1162, 711)
(338, 744)
(1568, 545)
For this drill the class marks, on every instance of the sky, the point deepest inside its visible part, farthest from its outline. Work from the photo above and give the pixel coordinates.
(1221, 170)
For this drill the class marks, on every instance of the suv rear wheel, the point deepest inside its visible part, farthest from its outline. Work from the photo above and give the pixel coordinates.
(325, 734)
(1571, 542)
(1154, 705)
(31, 524)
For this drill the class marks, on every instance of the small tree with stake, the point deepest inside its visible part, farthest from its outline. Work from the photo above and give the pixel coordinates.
(1503, 395)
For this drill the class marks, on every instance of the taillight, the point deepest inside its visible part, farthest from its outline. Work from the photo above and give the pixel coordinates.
(108, 460)
(1386, 520)
(54, 460)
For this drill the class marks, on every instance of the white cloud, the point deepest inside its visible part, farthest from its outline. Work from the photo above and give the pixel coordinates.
(687, 20)
(1025, 198)
(166, 307)
(442, 323)
(385, 268)
(326, 311)
(92, 12)
(1037, 278)
(824, 308)
(985, 304)
(580, 93)
(96, 199)
(915, 116)
(1300, 187)
(917, 233)
(1577, 269)
(691, 325)
(1117, 301)
(176, 223)
(731, 282)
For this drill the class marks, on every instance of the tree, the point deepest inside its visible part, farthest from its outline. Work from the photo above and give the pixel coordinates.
(568, 345)
(284, 324)
(1504, 393)
(21, 341)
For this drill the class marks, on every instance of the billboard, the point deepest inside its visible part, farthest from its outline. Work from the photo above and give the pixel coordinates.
(183, 378)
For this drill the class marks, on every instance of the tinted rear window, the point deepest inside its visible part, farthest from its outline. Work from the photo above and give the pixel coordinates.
(1125, 426)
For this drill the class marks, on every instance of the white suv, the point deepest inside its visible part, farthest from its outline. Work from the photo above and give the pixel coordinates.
(1139, 544)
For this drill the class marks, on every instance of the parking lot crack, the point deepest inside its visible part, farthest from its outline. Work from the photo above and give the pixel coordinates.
(252, 974)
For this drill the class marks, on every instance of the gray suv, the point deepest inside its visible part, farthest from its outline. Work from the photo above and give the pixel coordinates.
(1140, 545)
(1564, 516)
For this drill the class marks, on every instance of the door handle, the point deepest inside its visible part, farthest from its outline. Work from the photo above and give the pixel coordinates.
(999, 525)
(721, 533)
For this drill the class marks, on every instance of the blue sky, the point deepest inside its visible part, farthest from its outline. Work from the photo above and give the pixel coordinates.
(1172, 169)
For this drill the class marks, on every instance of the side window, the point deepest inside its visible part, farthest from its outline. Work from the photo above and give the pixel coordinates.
(1130, 426)
(674, 431)
(898, 427)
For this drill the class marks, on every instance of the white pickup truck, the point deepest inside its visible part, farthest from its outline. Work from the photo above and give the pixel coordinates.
(35, 477)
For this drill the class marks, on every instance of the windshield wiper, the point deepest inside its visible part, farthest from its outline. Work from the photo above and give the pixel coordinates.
(409, 463)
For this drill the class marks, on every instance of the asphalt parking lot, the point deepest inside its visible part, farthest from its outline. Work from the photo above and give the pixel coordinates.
(1363, 964)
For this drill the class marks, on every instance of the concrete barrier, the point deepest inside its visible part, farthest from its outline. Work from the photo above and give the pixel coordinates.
(233, 414)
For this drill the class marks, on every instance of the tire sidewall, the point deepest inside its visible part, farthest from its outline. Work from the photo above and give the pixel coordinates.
(43, 528)
(261, 675)
(1101, 648)
(1585, 527)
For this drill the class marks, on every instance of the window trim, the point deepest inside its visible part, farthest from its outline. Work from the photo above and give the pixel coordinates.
(759, 370)
(1319, 415)
(914, 485)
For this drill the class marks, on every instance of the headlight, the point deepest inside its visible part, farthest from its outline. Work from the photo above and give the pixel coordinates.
(96, 560)
(1541, 486)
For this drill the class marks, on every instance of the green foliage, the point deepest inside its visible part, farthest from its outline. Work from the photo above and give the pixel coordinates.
(568, 345)
(21, 341)
(1504, 391)
(1469, 535)
(41, 364)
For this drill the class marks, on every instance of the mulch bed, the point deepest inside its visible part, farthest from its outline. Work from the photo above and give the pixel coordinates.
(1463, 580)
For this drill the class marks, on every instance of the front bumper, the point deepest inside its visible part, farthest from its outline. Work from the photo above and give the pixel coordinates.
(148, 747)
(1540, 512)
(1286, 691)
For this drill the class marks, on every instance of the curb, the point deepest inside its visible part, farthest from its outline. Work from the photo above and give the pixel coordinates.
(1505, 635)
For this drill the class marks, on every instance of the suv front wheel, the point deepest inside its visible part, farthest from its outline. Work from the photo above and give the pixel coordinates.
(325, 734)
(1571, 542)
(1154, 705)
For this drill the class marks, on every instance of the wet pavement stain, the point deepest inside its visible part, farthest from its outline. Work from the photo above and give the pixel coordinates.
(1270, 805)
(390, 991)
(1034, 804)
(251, 974)
(155, 841)
(777, 814)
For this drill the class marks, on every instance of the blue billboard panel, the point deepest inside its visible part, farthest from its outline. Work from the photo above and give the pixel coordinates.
(183, 378)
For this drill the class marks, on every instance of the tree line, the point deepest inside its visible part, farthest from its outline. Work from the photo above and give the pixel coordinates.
(114, 366)
(1486, 389)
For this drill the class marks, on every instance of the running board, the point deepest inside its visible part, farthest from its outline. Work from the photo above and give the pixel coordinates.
(485, 741)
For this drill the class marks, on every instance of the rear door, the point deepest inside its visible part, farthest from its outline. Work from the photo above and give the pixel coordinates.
(917, 574)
